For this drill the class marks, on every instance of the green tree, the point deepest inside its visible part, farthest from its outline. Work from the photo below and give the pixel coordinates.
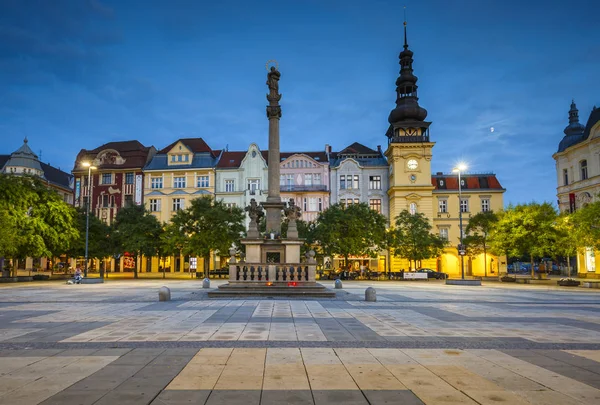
(206, 226)
(586, 226)
(526, 229)
(478, 233)
(412, 239)
(355, 230)
(99, 245)
(39, 223)
(136, 230)
(566, 243)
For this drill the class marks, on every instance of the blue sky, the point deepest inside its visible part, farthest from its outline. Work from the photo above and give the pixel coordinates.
(78, 73)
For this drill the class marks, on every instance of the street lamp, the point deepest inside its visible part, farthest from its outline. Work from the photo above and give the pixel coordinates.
(461, 167)
(87, 214)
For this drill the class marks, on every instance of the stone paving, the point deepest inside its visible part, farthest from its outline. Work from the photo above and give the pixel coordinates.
(420, 343)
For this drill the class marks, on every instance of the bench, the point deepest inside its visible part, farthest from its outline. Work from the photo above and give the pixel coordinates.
(591, 284)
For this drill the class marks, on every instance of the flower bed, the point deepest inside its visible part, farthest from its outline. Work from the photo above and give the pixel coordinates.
(508, 279)
(568, 282)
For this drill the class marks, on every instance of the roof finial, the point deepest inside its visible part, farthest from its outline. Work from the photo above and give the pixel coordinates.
(25, 140)
(405, 40)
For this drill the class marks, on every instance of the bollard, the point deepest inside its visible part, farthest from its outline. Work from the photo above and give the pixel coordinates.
(164, 294)
(206, 283)
(370, 294)
(338, 284)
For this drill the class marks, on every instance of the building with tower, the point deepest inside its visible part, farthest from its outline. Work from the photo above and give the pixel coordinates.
(578, 174)
(413, 188)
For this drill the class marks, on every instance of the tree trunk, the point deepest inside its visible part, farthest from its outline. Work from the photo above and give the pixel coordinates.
(532, 268)
(206, 266)
(484, 261)
(568, 266)
(135, 268)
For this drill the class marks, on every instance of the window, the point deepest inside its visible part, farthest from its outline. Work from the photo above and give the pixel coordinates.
(85, 202)
(374, 182)
(375, 204)
(105, 200)
(290, 179)
(230, 205)
(317, 178)
(253, 186)
(305, 204)
(443, 206)
(412, 208)
(320, 204)
(308, 178)
(155, 205)
(444, 233)
(583, 167)
(355, 185)
(343, 202)
(128, 200)
(106, 178)
(173, 158)
(485, 204)
(566, 177)
(464, 205)
(282, 179)
(178, 182)
(177, 204)
(156, 182)
(342, 182)
(179, 158)
(351, 201)
(229, 186)
(129, 178)
(203, 181)
(312, 204)
(186, 157)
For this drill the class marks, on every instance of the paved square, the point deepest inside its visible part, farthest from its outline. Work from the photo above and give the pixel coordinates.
(420, 343)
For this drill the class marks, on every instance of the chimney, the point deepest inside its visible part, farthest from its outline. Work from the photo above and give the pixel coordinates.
(327, 148)
(379, 149)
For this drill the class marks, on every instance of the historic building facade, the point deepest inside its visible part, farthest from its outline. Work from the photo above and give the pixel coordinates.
(24, 161)
(411, 184)
(359, 174)
(242, 176)
(177, 174)
(578, 175)
(304, 177)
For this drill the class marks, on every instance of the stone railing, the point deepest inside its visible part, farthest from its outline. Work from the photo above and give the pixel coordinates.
(242, 272)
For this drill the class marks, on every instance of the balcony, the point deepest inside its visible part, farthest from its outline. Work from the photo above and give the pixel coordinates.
(293, 188)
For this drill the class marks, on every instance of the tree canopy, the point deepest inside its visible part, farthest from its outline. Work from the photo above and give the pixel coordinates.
(136, 230)
(411, 238)
(586, 225)
(355, 230)
(478, 232)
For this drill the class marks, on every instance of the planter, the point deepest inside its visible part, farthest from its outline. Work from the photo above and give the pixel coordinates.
(507, 279)
(568, 283)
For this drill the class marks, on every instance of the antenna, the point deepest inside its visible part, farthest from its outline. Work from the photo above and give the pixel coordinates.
(40, 158)
(405, 40)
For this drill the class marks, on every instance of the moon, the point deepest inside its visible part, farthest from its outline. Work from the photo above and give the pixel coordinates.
(492, 129)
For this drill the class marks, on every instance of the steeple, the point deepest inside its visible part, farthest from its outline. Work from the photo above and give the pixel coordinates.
(407, 106)
(574, 127)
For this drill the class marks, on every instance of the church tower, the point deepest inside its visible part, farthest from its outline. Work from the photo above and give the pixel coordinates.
(409, 150)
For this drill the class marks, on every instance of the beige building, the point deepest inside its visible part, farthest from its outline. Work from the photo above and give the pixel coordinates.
(413, 188)
(176, 175)
(578, 175)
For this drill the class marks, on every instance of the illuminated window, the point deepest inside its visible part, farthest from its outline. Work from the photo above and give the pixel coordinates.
(375, 205)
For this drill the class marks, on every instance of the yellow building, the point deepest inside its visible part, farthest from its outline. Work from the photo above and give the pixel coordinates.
(412, 186)
(176, 175)
(578, 176)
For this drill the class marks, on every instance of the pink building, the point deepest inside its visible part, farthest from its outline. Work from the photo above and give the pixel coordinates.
(304, 176)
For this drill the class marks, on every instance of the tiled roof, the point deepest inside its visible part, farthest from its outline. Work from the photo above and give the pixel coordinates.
(135, 155)
(472, 182)
(196, 145)
(231, 160)
(199, 161)
(357, 148)
(57, 176)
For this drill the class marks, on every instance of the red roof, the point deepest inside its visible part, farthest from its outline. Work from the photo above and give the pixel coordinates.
(231, 159)
(134, 153)
(473, 182)
(196, 145)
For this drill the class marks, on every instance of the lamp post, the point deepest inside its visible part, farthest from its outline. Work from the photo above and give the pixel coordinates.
(87, 214)
(458, 169)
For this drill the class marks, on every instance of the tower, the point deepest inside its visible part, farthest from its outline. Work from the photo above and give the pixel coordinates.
(409, 150)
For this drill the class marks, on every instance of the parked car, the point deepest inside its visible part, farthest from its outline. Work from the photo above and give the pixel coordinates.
(433, 274)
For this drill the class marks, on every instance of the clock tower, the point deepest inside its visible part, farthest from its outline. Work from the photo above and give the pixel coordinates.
(409, 150)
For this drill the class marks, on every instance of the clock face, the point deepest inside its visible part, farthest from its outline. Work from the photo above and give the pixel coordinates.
(412, 164)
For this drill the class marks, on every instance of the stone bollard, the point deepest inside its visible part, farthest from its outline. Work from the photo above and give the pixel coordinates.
(206, 283)
(164, 294)
(370, 294)
(338, 284)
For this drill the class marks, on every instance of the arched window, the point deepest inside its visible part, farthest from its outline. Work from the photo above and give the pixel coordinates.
(412, 208)
(583, 168)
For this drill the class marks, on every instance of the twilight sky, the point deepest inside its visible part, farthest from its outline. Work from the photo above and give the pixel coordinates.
(79, 73)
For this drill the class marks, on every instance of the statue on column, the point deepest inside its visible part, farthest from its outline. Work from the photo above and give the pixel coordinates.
(273, 109)
(255, 212)
(292, 212)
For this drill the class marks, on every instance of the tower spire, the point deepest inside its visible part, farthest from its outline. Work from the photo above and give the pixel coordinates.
(405, 40)
(574, 127)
